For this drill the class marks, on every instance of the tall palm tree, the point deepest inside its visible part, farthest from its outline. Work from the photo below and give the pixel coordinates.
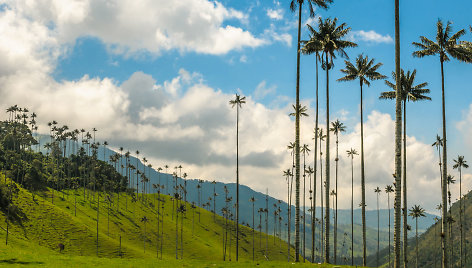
(252, 200)
(388, 190)
(439, 143)
(336, 127)
(305, 151)
(293, 7)
(398, 139)
(446, 45)
(364, 70)
(414, 93)
(289, 175)
(329, 39)
(351, 153)
(299, 111)
(238, 101)
(322, 137)
(460, 163)
(378, 191)
(416, 212)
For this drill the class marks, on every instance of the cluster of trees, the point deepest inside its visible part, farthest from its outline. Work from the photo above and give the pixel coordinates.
(326, 40)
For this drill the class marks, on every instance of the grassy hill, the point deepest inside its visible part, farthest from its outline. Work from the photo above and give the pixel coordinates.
(47, 224)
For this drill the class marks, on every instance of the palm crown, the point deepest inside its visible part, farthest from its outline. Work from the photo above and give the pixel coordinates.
(328, 40)
(364, 69)
(446, 44)
(409, 92)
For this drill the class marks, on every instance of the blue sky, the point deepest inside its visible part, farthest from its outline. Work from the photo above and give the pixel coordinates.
(157, 76)
(275, 63)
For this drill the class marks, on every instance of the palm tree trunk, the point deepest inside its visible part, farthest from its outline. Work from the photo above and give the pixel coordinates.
(322, 205)
(364, 242)
(352, 210)
(313, 226)
(327, 165)
(336, 205)
(253, 231)
(398, 139)
(237, 182)
(297, 144)
(389, 244)
(445, 237)
(416, 242)
(304, 213)
(378, 230)
(460, 210)
(405, 204)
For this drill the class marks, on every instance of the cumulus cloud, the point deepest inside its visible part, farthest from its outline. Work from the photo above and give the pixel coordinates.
(371, 36)
(130, 27)
(184, 120)
(275, 14)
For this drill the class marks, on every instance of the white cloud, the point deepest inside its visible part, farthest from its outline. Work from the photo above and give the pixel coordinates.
(263, 90)
(272, 34)
(371, 36)
(275, 14)
(131, 27)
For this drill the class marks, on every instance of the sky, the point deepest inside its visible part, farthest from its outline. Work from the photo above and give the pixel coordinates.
(156, 76)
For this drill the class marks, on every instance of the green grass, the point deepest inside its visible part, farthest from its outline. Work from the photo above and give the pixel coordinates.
(35, 239)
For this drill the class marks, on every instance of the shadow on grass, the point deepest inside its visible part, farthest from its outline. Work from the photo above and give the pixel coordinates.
(16, 261)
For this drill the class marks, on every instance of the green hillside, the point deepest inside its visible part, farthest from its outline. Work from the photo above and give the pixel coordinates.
(429, 243)
(48, 224)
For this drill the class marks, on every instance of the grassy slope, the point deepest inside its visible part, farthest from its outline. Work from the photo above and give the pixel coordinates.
(49, 224)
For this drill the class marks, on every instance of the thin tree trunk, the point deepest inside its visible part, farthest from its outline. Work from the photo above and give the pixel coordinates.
(297, 144)
(327, 178)
(405, 204)
(336, 205)
(313, 226)
(364, 242)
(389, 244)
(378, 230)
(253, 231)
(304, 212)
(398, 141)
(322, 205)
(416, 242)
(460, 210)
(237, 182)
(445, 237)
(352, 210)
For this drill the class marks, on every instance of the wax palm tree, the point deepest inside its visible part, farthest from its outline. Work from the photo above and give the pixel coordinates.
(388, 190)
(313, 47)
(321, 137)
(416, 212)
(414, 93)
(293, 6)
(289, 176)
(305, 151)
(364, 70)
(460, 163)
(439, 143)
(446, 46)
(336, 127)
(351, 153)
(377, 192)
(238, 101)
(299, 111)
(214, 200)
(252, 200)
(330, 40)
